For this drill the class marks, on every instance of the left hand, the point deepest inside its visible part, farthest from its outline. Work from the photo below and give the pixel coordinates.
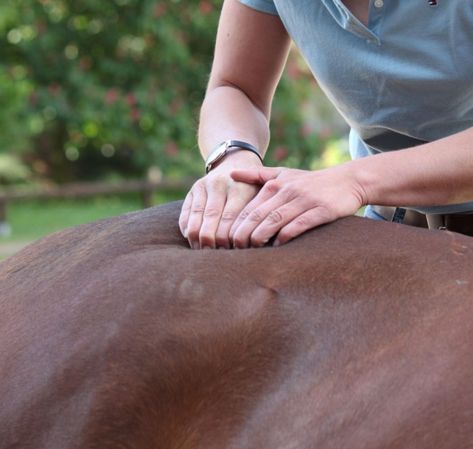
(292, 201)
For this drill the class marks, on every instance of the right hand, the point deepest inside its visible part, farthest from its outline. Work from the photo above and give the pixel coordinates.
(215, 201)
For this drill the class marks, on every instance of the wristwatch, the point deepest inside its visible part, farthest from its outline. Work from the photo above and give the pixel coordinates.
(227, 147)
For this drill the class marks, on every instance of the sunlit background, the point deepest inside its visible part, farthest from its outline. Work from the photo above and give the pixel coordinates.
(107, 92)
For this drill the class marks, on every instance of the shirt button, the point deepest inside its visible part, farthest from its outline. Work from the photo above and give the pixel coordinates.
(378, 3)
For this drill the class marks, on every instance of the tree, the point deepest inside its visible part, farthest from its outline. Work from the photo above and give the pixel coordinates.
(94, 89)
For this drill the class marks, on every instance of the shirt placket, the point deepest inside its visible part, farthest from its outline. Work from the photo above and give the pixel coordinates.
(377, 10)
(349, 22)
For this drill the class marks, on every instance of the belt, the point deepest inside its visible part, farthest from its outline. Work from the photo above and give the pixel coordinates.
(461, 223)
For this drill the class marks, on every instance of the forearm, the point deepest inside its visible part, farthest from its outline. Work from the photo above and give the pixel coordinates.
(436, 173)
(250, 52)
(227, 113)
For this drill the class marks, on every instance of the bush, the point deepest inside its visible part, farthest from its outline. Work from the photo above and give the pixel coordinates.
(96, 89)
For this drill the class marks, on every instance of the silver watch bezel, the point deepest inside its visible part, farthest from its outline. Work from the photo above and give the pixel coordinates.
(224, 148)
(217, 154)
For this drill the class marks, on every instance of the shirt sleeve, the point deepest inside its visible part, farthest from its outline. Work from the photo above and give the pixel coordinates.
(266, 6)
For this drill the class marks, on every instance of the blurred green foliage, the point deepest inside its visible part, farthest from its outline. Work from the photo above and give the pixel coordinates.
(12, 171)
(102, 89)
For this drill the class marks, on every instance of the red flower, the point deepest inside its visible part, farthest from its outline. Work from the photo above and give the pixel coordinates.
(111, 96)
(205, 7)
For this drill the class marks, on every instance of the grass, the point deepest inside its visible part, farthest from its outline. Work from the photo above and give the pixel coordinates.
(30, 220)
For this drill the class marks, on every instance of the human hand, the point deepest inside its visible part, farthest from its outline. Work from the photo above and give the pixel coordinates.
(215, 201)
(292, 201)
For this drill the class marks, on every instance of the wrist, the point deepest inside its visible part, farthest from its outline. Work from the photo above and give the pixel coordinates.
(227, 147)
(387, 179)
(237, 159)
(366, 180)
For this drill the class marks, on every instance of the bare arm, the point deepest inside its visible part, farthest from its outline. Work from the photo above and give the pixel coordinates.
(250, 53)
(436, 173)
(292, 201)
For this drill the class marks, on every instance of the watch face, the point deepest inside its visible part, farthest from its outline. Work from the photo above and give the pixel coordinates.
(216, 155)
(224, 148)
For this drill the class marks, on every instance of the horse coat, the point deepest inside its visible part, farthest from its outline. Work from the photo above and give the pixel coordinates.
(355, 335)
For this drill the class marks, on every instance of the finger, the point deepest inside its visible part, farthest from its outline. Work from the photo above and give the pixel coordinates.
(199, 200)
(258, 216)
(184, 215)
(229, 214)
(269, 190)
(237, 198)
(274, 221)
(255, 175)
(307, 220)
(214, 206)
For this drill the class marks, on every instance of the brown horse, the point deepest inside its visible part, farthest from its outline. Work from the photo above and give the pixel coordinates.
(356, 335)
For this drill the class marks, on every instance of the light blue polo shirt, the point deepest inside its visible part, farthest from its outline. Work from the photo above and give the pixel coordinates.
(405, 79)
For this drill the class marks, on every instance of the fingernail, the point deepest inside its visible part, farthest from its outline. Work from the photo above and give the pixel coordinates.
(185, 233)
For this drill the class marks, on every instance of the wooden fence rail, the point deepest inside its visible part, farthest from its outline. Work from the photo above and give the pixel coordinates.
(88, 189)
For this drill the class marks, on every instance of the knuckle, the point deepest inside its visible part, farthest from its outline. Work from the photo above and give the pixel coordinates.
(255, 216)
(272, 186)
(198, 187)
(244, 214)
(228, 216)
(211, 212)
(217, 184)
(303, 221)
(194, 186)
(197, 208)
(275, 217)
(289, 192)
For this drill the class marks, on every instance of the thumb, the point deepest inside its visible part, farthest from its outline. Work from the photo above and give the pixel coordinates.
(255, 175)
